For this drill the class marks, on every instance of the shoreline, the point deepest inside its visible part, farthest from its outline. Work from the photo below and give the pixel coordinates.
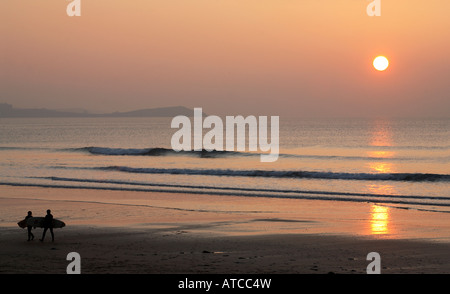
(132, 232)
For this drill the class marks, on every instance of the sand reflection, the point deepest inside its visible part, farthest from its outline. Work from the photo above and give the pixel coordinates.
(379, 223)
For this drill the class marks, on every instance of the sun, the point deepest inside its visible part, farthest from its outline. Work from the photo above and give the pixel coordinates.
(380, 63)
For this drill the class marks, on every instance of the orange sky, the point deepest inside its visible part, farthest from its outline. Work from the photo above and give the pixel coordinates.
(276, 57)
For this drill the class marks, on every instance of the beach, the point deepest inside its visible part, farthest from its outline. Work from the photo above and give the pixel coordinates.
(224, 137)
(123, 232)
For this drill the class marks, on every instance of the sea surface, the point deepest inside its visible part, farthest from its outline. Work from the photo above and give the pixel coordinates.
(403, 163)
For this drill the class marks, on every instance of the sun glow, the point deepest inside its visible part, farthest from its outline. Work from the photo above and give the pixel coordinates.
(380, 63)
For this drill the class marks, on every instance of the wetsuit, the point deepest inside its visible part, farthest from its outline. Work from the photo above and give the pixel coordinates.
(30, 234)
(48, 224)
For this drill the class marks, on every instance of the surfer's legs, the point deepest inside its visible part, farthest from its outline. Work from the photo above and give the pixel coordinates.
(43, 234)
(30, 234)
(51, 232)
(45, 231)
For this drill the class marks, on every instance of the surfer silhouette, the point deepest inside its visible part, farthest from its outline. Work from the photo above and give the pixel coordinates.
(48, 224)
(30, 234)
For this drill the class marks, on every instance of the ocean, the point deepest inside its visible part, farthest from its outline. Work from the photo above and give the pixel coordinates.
(396, 162)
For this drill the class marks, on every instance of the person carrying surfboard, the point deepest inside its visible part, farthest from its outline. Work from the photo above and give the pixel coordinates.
(48, 224)
(30, 234)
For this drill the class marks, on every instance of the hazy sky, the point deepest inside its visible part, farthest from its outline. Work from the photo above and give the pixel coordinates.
(273, 57)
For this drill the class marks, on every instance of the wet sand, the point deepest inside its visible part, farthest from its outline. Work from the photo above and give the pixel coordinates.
(153, 233)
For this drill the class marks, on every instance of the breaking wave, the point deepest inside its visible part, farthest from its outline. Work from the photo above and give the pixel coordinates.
(407, 177)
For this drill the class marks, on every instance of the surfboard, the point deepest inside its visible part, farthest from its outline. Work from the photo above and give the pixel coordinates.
(22, 224)
(38, 222)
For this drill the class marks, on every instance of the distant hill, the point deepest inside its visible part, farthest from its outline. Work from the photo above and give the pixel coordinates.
(154, 112)
(7, 110)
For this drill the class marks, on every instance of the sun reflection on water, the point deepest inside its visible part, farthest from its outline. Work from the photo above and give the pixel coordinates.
(381, 136)
(382, 189)
(382, 167)
(381, 154)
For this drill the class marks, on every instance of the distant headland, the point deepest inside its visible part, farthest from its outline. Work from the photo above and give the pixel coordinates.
(7, 110)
